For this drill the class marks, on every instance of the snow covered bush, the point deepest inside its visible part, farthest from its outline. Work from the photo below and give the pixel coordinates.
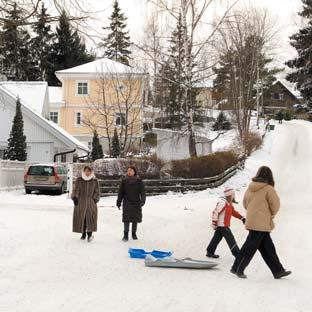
(204, 166)
(115, 168)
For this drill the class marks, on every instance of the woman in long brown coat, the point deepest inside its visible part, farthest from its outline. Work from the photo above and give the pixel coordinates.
(262, 204)
(86, 195)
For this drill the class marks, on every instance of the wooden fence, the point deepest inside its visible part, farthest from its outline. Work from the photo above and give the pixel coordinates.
(162, 186)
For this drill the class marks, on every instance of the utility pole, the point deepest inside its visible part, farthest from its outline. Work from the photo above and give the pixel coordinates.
(257, 86)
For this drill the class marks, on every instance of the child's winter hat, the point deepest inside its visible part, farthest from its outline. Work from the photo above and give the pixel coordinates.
(229, 192)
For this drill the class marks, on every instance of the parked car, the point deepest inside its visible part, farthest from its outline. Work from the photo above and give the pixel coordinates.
(46, 177)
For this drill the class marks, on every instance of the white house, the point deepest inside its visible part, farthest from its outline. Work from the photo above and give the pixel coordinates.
(44, 138)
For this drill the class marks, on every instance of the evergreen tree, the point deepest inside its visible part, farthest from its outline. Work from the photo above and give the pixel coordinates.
(117, 42)
(302, 64)
(16, 149)
(97, 150)
(115, 148)
(16, 61)
(41, 44)
(229, 63)
(221, 123)
(68, 50)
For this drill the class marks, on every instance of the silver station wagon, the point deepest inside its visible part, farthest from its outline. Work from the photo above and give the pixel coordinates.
(46, 177)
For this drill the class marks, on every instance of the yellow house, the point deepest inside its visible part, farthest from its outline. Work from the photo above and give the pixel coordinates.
(102, 95)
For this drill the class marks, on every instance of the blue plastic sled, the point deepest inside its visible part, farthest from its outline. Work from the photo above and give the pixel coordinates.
(141, 253)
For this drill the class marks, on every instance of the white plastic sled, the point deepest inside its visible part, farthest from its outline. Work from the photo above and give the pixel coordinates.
(186, 263)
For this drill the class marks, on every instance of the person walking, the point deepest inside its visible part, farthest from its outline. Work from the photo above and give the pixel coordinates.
(221, 222)
(262, 204)
(132, 197)
(86, 195)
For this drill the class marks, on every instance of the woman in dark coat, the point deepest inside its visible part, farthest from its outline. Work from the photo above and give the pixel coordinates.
(86, 195)
(132, 196)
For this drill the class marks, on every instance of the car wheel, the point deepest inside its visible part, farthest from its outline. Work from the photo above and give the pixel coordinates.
(61, 190)
(27, 191)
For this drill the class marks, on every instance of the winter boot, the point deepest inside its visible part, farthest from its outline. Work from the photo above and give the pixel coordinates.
(241, 275)
(90, 237)
(282, 274)
(83, 236)
(126, 236)
(210, 255)
(134, 236)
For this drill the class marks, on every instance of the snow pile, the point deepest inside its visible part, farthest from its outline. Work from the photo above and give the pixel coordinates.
(113, 168)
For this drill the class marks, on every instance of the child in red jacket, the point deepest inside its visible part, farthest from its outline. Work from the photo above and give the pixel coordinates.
(221, 222)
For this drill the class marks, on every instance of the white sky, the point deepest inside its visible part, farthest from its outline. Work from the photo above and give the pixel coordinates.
(282, 11)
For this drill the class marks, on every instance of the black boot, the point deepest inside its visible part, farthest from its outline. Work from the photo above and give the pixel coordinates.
(211, 255)
(90, 237)
(282, 274)
(134, 236)
(126, 236)
(83, 236)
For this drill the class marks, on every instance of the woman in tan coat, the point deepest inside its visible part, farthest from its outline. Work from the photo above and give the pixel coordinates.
(86, 195)
(262, 204)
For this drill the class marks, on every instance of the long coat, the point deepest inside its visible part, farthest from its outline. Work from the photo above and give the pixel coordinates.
(262, 204)
(132, 196)
(88, 194)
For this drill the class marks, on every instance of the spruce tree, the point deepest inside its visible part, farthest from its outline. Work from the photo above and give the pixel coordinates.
(97, 150)
(16, 149)
(16, 61)
(302, 64)
(117, 42)
(41, 44)
(115, 148)
(221, 123)
(68, 50)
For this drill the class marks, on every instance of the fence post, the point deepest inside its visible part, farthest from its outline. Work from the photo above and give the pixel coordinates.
(70, 174)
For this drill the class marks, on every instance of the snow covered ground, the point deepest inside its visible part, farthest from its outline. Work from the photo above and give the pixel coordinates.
(45, 267)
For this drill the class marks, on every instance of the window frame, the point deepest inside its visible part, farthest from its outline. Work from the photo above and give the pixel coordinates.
(76, 116)
(77, 88)
(120, 115)
(54, 112)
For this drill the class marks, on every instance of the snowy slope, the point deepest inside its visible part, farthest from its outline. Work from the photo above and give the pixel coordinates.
(45, 267)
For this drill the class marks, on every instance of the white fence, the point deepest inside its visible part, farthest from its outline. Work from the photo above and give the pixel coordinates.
(11, 174)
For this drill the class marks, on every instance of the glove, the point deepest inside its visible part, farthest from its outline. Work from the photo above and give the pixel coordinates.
(75, 200)
(214, 225)
(243, 220)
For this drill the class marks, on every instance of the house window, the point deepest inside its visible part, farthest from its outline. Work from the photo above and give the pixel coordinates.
(54, 117)
(82, 88)
(78, 119)
(120, 119)
(277, 96)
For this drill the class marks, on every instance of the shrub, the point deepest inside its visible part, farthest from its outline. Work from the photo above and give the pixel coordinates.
(204, 166)
(252, 142)
(150, 138)
(287, 115)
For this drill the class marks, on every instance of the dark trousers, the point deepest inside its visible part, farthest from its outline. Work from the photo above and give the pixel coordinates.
(221, 232)
(261, 241)
(127, 227)
(85, 229)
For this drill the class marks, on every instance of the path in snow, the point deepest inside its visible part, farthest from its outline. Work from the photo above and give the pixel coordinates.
(44, 267)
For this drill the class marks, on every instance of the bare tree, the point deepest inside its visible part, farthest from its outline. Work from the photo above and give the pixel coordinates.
(193, 13)
(118, 103)
(241, 42)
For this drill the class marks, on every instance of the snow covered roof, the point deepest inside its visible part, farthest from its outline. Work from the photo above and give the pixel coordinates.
(291, 87)
(31, 93)
(49, 125)
(103, 65)
(204, 84)
(56, 95)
